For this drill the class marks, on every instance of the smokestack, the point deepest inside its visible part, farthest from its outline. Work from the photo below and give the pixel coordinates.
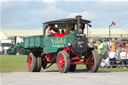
(78, 18)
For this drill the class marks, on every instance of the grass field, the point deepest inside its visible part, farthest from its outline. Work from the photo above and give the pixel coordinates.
(17, 63)
(12, 63)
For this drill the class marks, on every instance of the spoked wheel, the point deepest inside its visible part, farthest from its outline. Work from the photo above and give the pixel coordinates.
(31, 62)
(93, 62)
(63, 61)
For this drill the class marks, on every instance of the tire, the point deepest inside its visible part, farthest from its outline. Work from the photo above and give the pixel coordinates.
(95, 61)
(38, 66)
(32, 62)
(72, 68)
(63, 62)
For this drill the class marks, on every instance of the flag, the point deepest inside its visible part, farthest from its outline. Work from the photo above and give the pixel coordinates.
(113, 23)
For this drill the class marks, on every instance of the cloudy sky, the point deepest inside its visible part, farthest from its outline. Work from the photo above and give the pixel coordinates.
(30, 14)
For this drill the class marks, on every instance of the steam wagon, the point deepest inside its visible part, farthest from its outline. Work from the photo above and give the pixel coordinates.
(66, 49)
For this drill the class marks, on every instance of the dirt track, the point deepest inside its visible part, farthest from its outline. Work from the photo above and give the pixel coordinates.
(56, 78)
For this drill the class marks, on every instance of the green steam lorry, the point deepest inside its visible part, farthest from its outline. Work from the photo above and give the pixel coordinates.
(65, 49)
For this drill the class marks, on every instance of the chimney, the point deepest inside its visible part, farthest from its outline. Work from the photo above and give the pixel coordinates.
(78, 18)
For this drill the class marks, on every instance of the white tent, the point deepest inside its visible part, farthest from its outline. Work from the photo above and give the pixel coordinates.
(3, 36)
(105, 32)
(91, 32)
(22, 33)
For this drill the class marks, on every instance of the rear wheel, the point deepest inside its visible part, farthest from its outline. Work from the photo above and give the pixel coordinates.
(31, 62)
(94, 61)
(63, 61)
(39, 62)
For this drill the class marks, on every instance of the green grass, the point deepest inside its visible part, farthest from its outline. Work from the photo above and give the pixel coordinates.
(13, 63)
(113, 69)
(17, 63)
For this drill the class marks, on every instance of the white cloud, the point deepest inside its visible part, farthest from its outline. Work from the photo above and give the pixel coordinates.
(85, 15)
(80, 0)
(113, 0)
(49, 2)
(52, 12)
(18, 0)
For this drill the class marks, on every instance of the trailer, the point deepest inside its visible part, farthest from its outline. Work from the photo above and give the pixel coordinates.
(66, 49)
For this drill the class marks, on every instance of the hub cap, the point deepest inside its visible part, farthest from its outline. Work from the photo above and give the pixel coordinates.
(30, 62)
(61, 62)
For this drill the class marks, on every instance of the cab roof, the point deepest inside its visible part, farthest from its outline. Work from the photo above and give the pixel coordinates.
(67, 20)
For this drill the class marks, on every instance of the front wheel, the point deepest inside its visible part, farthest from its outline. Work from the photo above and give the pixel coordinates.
(63, 61)
(94, 61)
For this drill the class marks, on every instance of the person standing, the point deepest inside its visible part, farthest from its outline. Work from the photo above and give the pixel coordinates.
(126, 47)
(106, 48)
(101, 48)
(101, 52)
(114, 44)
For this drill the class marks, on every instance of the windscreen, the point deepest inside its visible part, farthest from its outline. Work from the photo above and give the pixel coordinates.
(5, 44)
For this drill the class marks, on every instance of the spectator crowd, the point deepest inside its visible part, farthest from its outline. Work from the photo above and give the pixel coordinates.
(114, 53)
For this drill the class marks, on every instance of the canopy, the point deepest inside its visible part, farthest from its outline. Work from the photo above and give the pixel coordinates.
(67, 20)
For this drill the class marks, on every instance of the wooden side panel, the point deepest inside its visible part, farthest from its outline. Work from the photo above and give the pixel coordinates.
(26, 42)
(33, 41)
(52, 44)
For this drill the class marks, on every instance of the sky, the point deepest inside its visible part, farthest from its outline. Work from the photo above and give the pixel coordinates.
(30, 14)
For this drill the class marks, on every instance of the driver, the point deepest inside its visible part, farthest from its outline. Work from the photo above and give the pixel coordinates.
(47, 32)
(51, 30)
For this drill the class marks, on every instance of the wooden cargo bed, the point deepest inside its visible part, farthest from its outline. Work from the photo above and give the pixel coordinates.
(33, 42)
